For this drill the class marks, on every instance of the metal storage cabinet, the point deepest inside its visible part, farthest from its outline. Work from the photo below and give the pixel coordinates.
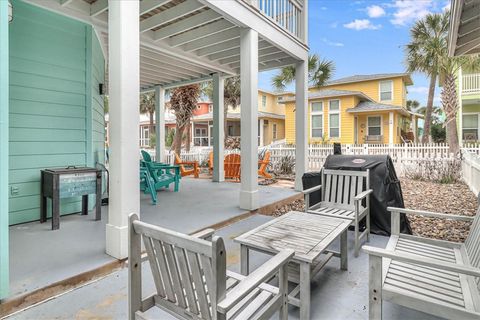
(66, 183)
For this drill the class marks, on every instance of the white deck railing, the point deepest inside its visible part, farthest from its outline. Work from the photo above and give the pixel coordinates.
(286, 13)
(471, 171)
(471, 83)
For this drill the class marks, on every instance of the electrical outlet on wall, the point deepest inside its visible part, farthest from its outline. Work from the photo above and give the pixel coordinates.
(14, 191)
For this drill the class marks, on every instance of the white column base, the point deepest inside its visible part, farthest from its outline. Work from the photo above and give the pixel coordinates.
(117, 241)
(249, 200)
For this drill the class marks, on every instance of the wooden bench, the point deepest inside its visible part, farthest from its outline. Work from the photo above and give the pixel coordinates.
(344, 194)
(434, 276)
(192, 282)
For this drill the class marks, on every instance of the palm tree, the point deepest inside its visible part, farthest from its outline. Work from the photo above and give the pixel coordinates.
(449, 67)
(147, 106)
(231, 97)
(319, 72)
(412, 105)
(424, 52)
(183, 101)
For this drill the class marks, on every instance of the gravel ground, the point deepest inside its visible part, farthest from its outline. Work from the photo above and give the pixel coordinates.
(446, 198)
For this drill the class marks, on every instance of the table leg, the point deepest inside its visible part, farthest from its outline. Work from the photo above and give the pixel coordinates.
(85, 204)
(43, 209)
(304, 291)
(244, 260)
(55, 211)
(343, 251)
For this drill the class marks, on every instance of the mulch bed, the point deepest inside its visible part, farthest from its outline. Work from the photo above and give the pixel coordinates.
(453, 198)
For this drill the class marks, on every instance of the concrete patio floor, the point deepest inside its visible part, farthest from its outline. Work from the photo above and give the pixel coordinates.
(40, 257)
(336, 294)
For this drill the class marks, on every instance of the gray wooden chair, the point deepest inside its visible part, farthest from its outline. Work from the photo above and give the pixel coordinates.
(192, 282)
(344, 194)
(434, 276)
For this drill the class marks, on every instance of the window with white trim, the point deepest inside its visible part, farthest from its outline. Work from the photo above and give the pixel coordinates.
(144, 136)
(316, 119)
(470, 127)
(374, 126)
(386, 90)
(334, 118)
(274, 131)
(264, 101)
(280, 98)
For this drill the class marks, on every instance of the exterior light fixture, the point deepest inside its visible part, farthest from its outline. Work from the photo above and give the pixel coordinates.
(10, 12)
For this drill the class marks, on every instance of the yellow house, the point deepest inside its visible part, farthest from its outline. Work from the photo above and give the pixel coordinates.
(357, 109)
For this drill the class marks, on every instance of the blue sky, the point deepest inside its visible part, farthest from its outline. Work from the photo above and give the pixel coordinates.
(366, 37)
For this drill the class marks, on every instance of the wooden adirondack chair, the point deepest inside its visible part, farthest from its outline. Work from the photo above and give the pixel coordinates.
(194, 169)
(232, 165)
(210, 163)
(342, 196)
(147, 158)
(192, 282)
(147, 184)
(163, 175)
(438, 277)
(263, 165)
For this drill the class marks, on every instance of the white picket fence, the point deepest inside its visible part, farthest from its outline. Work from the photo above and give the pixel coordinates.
(403, 155)
(471, 170)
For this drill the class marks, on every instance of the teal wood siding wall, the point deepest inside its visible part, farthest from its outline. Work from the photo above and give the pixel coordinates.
(50, 104)
(4, 240)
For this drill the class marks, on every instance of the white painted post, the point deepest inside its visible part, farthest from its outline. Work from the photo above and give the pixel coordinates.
(218, 129)
(249, 118)
(160, 124)
(460, 107)
(301, 131)
(390, 127)
(124, 91)
(260, 143)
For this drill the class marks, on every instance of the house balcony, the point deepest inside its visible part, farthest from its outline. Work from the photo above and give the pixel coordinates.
(470, 84)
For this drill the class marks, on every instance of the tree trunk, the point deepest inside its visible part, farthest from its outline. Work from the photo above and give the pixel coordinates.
(152, 124)
(428, 112)
(225, 123)
(189, 136)
(178, 139)
(450, 107)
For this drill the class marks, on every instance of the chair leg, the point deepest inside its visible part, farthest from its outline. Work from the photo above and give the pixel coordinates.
(368, 225)
(375, 288)
(357, 240)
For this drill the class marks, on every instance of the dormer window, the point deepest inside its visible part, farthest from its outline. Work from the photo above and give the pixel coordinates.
(386, 90)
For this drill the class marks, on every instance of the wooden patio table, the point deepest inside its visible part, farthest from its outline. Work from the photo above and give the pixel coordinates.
(309, 235)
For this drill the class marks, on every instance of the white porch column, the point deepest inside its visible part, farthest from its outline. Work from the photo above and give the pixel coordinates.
(160, 123)
(390, 127)
(218, 129)
(249, 118)
(301, 123)
(261, 133)
(124, 91)
(460, 108)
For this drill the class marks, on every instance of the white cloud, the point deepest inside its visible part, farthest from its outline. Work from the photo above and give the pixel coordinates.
(332, 43)
(333, 25)
(361, 24)
(418, 89)
(407, 11)
(375, 11)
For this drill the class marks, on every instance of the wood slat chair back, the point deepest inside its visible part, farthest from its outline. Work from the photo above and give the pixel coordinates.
(189, 273)
(339, 187)
(232, 166)
(472, 244)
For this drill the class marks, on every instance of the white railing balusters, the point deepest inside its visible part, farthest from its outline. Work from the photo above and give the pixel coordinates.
(471, 83)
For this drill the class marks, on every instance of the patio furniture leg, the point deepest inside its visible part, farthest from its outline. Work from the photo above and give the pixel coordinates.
(344, 251)
(84, 204)
(98, 198)
(375, 275)
(357, 233)
(55, 211)
(304, 291)
(368, 225)
(283, 287)
(244, 260)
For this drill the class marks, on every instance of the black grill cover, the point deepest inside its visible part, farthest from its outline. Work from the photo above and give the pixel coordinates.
(387, 191)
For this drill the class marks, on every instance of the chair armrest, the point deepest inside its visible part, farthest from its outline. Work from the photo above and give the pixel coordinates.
(252, 281)
(312, 189)
(410, 258)
(205, 234)
(362, 195)
(431, 214)
(188, 163)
